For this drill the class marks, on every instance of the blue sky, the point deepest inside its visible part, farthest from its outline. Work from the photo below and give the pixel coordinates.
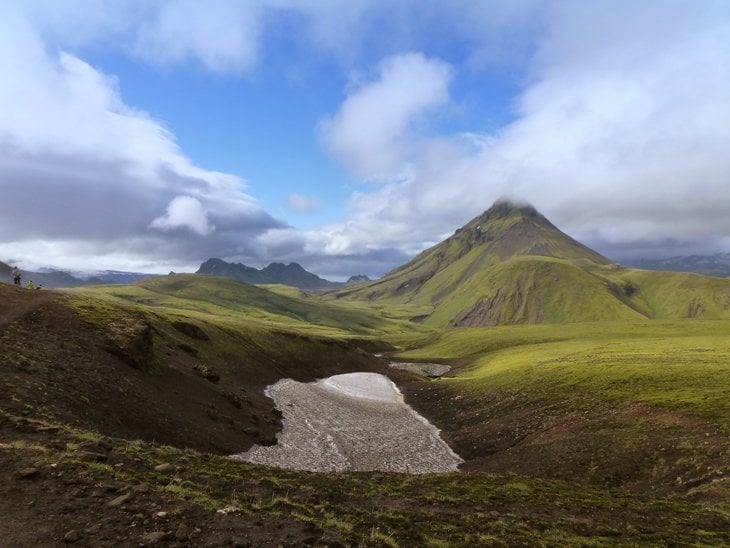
(349, 136)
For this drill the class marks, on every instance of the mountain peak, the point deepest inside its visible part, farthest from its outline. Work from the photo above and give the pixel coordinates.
(506, 209)
(504, 237)
(509, 229)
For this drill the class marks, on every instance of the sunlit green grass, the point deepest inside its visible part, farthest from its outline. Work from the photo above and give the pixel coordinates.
(679, 364)
(225, 300)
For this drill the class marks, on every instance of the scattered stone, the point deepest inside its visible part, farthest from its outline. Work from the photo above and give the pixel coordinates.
(233, 399)
(131, 340)
(141, 488)
(206, 372)
(93, 530)
(72, 536)
(91, 456)
(182, 533)
(162, 514)
(228, 510)
(155, 536)
(120, 500)
(164, 468)
(5, 446)
(28, 472)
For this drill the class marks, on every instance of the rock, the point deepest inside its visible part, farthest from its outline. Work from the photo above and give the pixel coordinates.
(164, 468)
(233, 399)
(93, 530)
(28, 472)
(120, 500)
(72, 536)
(141, 488)
(131, 340)
(155, 536)
(206, 372)
(182, 533)
(91, 456)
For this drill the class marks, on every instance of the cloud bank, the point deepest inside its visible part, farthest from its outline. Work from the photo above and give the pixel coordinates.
(98, 179)
(619, 138)
(618, 132)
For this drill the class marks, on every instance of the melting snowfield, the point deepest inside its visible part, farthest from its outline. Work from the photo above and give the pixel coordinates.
(356, 421)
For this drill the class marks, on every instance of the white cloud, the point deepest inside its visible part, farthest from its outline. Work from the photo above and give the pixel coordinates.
(184, 212)
(81, 169)
(221, 34)
(303, 204)
(621, 137)
(371, 133)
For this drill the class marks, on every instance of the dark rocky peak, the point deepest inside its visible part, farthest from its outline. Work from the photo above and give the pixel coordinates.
(276, 273)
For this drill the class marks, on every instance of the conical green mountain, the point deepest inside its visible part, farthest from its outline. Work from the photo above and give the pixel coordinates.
(511, 265)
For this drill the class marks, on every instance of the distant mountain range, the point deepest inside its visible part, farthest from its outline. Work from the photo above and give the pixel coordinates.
(52, 278)
(709, 265)
(292, 274)
(511, 265)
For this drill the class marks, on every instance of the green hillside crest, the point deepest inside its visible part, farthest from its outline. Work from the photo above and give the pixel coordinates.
(511, 265)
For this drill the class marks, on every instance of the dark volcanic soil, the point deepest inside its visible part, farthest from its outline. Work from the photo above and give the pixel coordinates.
(141, 376)
(80, 381)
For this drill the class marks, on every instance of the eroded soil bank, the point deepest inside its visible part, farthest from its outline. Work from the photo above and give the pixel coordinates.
(352, 422)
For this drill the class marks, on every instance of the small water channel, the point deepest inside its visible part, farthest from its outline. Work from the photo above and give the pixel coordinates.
(352, 422)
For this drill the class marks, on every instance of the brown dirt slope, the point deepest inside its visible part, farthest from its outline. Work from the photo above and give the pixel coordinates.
(625, 445)
(127, 374)
(60, 488)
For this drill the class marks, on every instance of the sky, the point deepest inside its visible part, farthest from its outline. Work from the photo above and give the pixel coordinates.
(348, 136)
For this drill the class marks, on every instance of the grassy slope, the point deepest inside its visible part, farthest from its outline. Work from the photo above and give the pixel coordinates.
(636, 404)
(681, 294)
(226, 299)
(584, 366)
(681, 364)
(511, 266)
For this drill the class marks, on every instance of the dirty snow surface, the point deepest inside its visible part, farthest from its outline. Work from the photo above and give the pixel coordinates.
(356, 421)
(425, 369)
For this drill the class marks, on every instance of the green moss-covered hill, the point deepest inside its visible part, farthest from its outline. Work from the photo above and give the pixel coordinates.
(511, 265)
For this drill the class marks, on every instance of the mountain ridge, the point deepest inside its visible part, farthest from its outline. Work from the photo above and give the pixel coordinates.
(53, 278)
(511, 265)
(717, 264)
(292, 274)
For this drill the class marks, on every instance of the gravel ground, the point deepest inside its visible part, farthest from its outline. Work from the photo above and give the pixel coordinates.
(352, 422)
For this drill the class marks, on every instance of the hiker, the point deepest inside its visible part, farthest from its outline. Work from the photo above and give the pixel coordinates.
(39, 286)
(31, 285)
(16, 275)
